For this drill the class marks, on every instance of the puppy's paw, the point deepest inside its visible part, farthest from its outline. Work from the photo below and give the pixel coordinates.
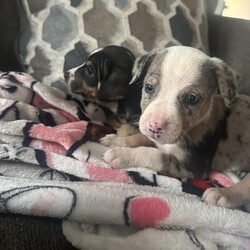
(223, 197)
(113, 140)
(118, 157)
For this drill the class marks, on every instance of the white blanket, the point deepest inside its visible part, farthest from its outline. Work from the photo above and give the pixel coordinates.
(51, 165)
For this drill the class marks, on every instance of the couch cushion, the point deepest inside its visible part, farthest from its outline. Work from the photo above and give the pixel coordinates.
(229, 40)
(11, 21)
(62, 33)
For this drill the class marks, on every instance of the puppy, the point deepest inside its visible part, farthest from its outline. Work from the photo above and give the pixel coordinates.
(130, 110)
(105, 78)
(196, 120)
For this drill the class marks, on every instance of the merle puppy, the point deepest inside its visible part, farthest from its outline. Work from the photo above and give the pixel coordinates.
(198, 123)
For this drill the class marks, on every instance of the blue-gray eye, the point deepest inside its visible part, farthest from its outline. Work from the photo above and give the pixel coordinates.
(149, 88)
(191, 98)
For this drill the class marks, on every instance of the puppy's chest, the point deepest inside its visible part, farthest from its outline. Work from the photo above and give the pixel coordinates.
(199, 157)
(195, 158)
(186, 157)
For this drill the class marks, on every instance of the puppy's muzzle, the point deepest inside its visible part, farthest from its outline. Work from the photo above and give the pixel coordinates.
(74, 85)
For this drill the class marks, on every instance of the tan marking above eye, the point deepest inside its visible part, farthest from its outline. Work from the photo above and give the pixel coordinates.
(152, 79)
(88, 63)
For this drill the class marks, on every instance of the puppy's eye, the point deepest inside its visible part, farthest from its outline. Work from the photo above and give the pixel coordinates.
(89, 71)
(191, 98)
(149, 88)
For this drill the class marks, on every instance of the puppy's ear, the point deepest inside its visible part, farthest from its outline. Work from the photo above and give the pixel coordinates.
(228, 80)
(104, 68)
(141, 66)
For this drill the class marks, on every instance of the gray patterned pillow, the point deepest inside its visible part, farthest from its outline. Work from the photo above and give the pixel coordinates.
(62, 33)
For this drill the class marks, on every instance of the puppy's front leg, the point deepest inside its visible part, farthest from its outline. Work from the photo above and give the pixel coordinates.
(131, 141)
(145, 157)
(123, 157)
(231, 197)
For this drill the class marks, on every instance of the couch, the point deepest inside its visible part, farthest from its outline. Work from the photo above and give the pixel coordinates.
(226, 38)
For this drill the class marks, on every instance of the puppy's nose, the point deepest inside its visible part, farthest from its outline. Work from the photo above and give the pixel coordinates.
(156, 127)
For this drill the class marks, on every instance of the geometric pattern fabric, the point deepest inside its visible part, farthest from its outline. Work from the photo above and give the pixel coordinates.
(60, 34)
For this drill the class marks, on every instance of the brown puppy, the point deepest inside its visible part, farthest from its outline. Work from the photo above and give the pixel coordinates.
(104, 75)
(192, 114)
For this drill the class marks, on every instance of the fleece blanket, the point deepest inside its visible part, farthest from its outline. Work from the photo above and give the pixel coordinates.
(51, 165)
